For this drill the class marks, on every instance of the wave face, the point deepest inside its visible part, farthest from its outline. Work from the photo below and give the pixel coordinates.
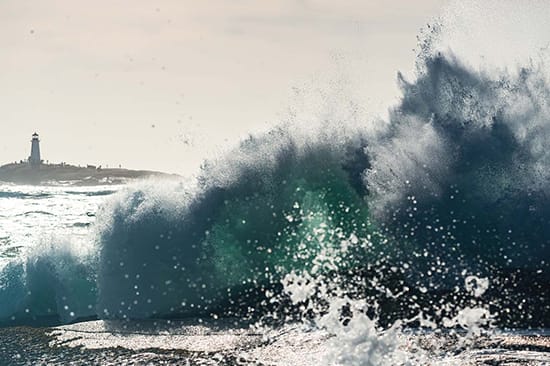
(55, 284)
(456, 186)
(249, 221)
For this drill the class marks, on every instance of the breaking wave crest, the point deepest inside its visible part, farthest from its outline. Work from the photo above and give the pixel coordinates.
(454, 189)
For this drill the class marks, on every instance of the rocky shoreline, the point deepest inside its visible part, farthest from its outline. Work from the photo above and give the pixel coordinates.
(65, 174)
(220, 343)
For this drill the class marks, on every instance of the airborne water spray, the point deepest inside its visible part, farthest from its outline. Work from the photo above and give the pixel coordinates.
(438, 220)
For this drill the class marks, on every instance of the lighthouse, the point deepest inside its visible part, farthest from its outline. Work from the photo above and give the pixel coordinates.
(34, 159)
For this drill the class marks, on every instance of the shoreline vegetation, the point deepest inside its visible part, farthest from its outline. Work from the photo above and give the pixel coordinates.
(66, 174)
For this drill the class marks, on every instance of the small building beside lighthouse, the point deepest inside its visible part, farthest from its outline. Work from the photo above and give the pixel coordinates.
(35, 158)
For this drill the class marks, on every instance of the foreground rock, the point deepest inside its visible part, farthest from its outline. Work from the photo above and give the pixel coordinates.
(230, 342)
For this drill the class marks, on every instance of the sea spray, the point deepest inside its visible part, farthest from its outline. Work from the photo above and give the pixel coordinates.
(355, 335)
(415, 219)
(472, 195)
(454, 186)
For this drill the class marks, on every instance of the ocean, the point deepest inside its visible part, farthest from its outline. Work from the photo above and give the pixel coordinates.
(425, 240)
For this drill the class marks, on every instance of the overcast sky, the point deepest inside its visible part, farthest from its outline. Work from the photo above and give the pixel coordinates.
(161, 84)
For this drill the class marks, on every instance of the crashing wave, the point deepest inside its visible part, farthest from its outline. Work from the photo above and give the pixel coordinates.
(456, 186)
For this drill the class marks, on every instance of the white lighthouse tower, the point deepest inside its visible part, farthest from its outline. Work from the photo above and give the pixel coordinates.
(35, 159)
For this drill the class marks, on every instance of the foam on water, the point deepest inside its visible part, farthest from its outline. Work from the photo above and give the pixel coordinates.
(440, 219)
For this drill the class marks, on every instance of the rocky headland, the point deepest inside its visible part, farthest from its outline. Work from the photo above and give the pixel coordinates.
(56, 174)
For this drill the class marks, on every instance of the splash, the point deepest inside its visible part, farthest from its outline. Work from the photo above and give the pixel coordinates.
(454, 188)
(54, 284)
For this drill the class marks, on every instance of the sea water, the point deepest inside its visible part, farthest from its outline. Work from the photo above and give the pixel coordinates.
(424, 239)
(41, 226)
(31, 214)
(64, 250)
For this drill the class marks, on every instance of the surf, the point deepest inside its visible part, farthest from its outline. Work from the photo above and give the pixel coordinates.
(454, 185)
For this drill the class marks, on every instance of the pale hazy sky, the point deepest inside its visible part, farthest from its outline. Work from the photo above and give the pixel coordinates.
(161, 84)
